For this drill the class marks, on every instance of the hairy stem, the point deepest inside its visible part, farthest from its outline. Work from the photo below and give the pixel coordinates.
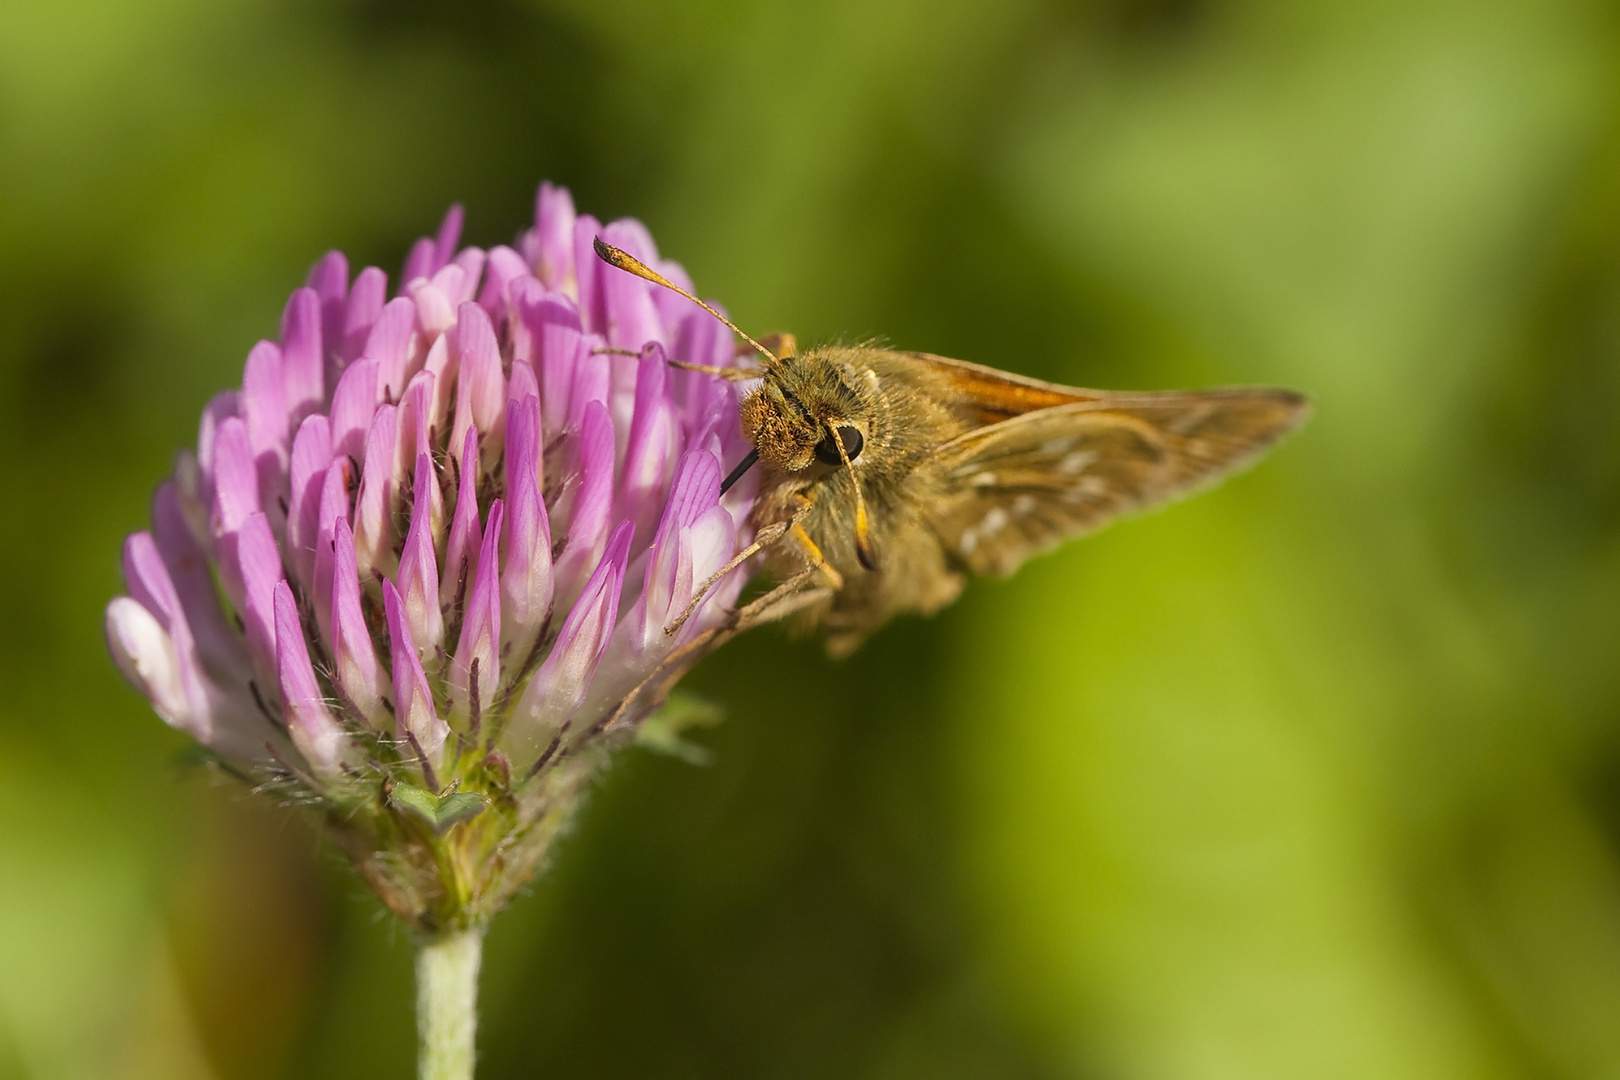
(447, 1004)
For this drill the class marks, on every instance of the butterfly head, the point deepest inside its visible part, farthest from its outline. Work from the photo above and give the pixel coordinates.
(801, 402)
(803, 411)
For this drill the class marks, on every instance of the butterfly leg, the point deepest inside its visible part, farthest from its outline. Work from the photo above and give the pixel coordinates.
(795, 593)
(766, 537)
(769, 536)
(656, 686)
(780, 602)
(816, 562)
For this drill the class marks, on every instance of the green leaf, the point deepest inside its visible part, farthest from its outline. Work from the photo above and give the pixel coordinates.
(439, 813)
(459, 807)
(661, 732)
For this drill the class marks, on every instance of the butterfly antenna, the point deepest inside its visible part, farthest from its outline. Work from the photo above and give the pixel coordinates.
(629, 263)
(863, 532)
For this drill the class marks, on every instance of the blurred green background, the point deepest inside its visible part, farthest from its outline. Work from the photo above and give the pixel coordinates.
(1317, 775)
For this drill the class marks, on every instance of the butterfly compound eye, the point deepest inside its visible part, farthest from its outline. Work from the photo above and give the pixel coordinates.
(827, 453)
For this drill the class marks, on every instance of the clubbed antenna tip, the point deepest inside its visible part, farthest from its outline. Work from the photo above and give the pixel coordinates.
(630, 264)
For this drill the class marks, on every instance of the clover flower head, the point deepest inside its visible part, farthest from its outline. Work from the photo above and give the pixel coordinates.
(420, 568)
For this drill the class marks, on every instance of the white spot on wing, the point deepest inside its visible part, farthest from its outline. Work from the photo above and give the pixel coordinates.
(983, 479)
(1076, 461)
(994, 521)
(1087, 489)
(1023, 504)
(968, 542)
(1057, 446)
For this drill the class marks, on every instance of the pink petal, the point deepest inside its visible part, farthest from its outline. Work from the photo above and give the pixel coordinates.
(553, 321)
(358, 674)
(219, 644)
(311, 453)
(557, 689)
(553, 258)
(520, 386)
(627, 302)
(419, 263)
(413, 700)
(591, 516)
(461, 555)
(236, 498)
(303, 364)
(221, 408)
(145, 654)
(670, 577)
(334, 504)
(480, 388)
(649, 458)
(417, 423)
(588, 273)
(418, 572)
(330, 280)
(471, 262)
(354, 403)
(236, 480)
(259, 564)
(526, 580)
(365, 305)
(264, 410)
(373, 519)
(481, 628)
(391, 343)
(185, 699)
(503, 267)
(314, 731)
(593, 377)
(449, 235)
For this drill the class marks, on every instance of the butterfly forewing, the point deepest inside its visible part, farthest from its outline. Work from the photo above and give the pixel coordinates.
(986, 395)
(1004, 492)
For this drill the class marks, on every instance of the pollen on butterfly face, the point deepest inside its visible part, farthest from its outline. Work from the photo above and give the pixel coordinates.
(419, 566)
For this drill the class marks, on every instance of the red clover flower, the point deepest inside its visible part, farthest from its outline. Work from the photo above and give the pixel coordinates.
(418, 571)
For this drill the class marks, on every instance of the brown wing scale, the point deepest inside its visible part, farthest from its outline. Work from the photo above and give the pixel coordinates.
(1013, 489)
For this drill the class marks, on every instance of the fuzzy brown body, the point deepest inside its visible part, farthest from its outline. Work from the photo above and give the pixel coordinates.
(968, 470)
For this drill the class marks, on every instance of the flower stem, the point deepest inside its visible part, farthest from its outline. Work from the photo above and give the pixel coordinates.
(447, 1004)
